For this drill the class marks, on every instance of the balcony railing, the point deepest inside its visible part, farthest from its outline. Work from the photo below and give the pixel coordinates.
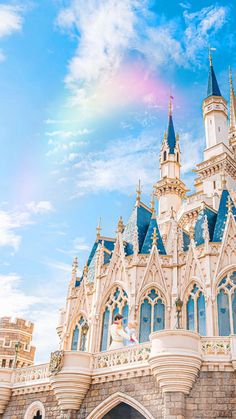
(122, 357)
(31, 374)
(217, 345)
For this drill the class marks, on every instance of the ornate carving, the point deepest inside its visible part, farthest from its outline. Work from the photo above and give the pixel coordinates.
(56, 362)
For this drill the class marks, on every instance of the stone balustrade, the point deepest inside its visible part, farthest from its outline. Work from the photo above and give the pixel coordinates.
(30, 374)
(217, 345)
(122, 357)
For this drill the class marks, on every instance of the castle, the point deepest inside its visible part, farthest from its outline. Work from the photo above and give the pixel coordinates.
(175, 273)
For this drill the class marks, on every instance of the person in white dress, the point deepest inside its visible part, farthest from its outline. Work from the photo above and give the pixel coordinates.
(131, 332)
(118, 334)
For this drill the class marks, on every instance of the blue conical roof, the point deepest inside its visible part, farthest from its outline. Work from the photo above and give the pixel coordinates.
(171, 140)
(199, 226)
(213, 87)
(139, 218)
(147, 244)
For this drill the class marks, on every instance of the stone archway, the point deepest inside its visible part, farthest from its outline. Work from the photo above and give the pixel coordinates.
(109, 405)
(123, 410)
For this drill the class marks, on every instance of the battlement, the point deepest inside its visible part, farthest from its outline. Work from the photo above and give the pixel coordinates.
(16, 324)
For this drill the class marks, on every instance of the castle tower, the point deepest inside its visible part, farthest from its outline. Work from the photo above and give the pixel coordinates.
(232, 119)
(170, 190)
(215, 114)
(15, 343)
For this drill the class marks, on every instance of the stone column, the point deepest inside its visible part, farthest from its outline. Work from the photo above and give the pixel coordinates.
(174, 406)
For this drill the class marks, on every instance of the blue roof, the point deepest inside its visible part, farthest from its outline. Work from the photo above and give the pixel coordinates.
(140, 217)
(147, 244)
(199, 226)
(222, 216)
(108, 244)
(171, 140)
(213, 87)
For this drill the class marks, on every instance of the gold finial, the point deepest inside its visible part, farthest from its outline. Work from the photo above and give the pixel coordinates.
(138, 193)
(75, 263)
(99, 229)
(230, 78)
(152, 202)
(120, 226)
(154, 237)
(229, 204)
(210, 54)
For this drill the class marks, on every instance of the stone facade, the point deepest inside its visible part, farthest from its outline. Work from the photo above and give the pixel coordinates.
(18, 405)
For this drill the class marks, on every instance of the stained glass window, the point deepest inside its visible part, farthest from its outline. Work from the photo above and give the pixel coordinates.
(79, 337)
(226, 304)
(152, 314)
(196, 311)
(190, 314)
(75, 339)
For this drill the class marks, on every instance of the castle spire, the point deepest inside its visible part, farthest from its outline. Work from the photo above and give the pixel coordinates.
(138, 194)
(171, 139)
(213, 87)
(232, 123)
(99, 229)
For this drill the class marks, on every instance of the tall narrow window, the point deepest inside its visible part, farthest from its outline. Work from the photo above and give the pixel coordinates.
(223, 313)
(164, 156)
(116, 303)
(226, 304)
(196, 311)
(152, 314)
(75, 339)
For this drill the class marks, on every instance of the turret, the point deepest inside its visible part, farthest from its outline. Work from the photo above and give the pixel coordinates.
(215, 115)
(170, 190)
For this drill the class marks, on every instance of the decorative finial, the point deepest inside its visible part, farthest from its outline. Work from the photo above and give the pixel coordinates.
(99, 229)
(223, 181)
(229, 204)
(85, 270)
(74, 267)
(230, 78)
(170, 104)
(191, 232)
(154, 237)
(138, 193)
(210, 55)
(120, 226)
(152, 202)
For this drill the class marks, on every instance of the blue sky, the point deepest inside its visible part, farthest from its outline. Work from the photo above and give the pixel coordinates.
(83, 107)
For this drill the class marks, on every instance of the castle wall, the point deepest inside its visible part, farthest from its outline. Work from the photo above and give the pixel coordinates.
(18, 405)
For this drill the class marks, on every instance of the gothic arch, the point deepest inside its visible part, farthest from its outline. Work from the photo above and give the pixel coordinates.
(33, 408)
(194, 280)
(220, 276)
(113, 401)
(158, 288)
(74, 319)
(116, 284)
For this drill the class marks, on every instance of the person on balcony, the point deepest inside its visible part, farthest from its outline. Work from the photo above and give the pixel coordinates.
(131, 332)
(118, 335)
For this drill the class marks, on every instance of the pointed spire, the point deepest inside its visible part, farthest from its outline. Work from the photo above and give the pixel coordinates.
(138, 194)
(206, 234)
(99, 229)
(213, 87)
(232, 123)
(74, 268)
(171, 140)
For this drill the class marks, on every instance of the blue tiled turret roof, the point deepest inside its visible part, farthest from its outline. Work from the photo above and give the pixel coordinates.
(171, 140)
(213, 87)
(147, 244)
(199, 226)
(140, 217)
(222, 216)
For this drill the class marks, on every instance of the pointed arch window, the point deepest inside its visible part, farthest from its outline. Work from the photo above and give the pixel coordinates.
(116, 303)
(164, 155)
(152, 314)
(196, 311)
(79, 335)
(226, 304)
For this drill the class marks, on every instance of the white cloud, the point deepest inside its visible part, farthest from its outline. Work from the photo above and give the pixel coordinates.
(10, 222)
(10, 19)
(40, 207)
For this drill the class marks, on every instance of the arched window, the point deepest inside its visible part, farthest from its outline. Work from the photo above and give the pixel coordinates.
(116, 303)
(79, 336)
(226, 305)
(196, 311)
(35, 410)
(164, 156)
(152, 314)
(177, 157)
